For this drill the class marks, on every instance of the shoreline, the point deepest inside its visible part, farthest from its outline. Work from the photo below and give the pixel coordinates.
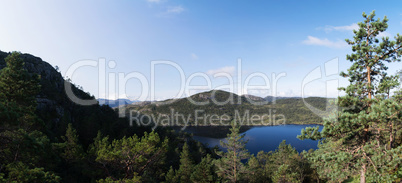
(246, 125)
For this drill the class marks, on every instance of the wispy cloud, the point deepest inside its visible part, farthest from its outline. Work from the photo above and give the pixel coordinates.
(228, 69)
(330, 28)
(324, 42)
(175, 9)
(194, 56)
(384, 34)
(350, 27)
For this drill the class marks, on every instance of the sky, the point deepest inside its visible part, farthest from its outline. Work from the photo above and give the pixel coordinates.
(159, 49)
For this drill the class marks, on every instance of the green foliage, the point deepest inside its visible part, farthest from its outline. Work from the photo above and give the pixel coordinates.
(135, 179)
(132, 157)
(23, 148)
(186, 165)
(71, 150)
(283, 175)
(17, 94)
(360, 143)
(254, 173)
(204, 171)
(186, 170)
(230, 167)
(360, 140)
(171, 176)
(294, 110)
(19, 172)
(285, 164)
(288, 165)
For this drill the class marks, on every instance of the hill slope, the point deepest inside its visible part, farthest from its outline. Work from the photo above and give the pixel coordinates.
(220, 107)
(57, 110)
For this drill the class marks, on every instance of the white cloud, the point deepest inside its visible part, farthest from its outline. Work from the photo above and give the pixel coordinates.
(350, 27)
(228, 69)
(175, 9)
(383, 34)
(324, 42)
(194, 56)
(287, 93)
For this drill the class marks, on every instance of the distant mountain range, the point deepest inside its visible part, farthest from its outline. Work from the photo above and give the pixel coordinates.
(120, 102)
(116, 103)
(267, 98)
(273, 98)
(292, 109)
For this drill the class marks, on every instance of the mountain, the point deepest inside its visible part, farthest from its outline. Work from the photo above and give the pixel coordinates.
(201, 108)
(274, 98)
(116, 103)
(56, 110)
(254, 98)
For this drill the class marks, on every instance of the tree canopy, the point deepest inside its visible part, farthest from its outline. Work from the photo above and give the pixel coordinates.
(360, 139)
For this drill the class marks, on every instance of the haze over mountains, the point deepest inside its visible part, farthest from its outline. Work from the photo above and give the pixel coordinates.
(121, 101)
(116, 103)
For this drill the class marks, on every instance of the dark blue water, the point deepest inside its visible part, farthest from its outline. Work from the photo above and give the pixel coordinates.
(267, 138)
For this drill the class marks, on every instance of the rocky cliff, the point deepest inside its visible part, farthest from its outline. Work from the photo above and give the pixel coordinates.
(57, 110)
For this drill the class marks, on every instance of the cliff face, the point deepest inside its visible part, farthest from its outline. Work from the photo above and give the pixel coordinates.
(36, 65)
(51, 84)
(57, 110)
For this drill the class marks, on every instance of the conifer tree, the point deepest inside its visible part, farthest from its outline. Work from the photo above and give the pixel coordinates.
(286, 165)
(186, 165)
(72, 151)
(230, 167)
(130, 158)
(18, 90)
(204, 171)
(23, 149)
(358, 142)
(254, 173)
(170, 176)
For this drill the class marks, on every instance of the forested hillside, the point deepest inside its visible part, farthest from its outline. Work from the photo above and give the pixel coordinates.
(217, 102)
(45, 137)
(40, 145)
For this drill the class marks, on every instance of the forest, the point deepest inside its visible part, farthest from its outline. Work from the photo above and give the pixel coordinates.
(45, 137)
(282, 111)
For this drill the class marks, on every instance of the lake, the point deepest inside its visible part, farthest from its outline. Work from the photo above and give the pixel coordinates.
(260, 138)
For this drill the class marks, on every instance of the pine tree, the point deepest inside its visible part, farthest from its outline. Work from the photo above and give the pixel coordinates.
(170, 176)
(358, 141)
(132, 157)
(285, 164)
(18, 90)
(204, 171)
(254, 173)
(72, 150)
(230, 167)
(186, 165)
(23, 149)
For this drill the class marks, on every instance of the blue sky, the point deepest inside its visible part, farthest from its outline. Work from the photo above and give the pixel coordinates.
(270, 37)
